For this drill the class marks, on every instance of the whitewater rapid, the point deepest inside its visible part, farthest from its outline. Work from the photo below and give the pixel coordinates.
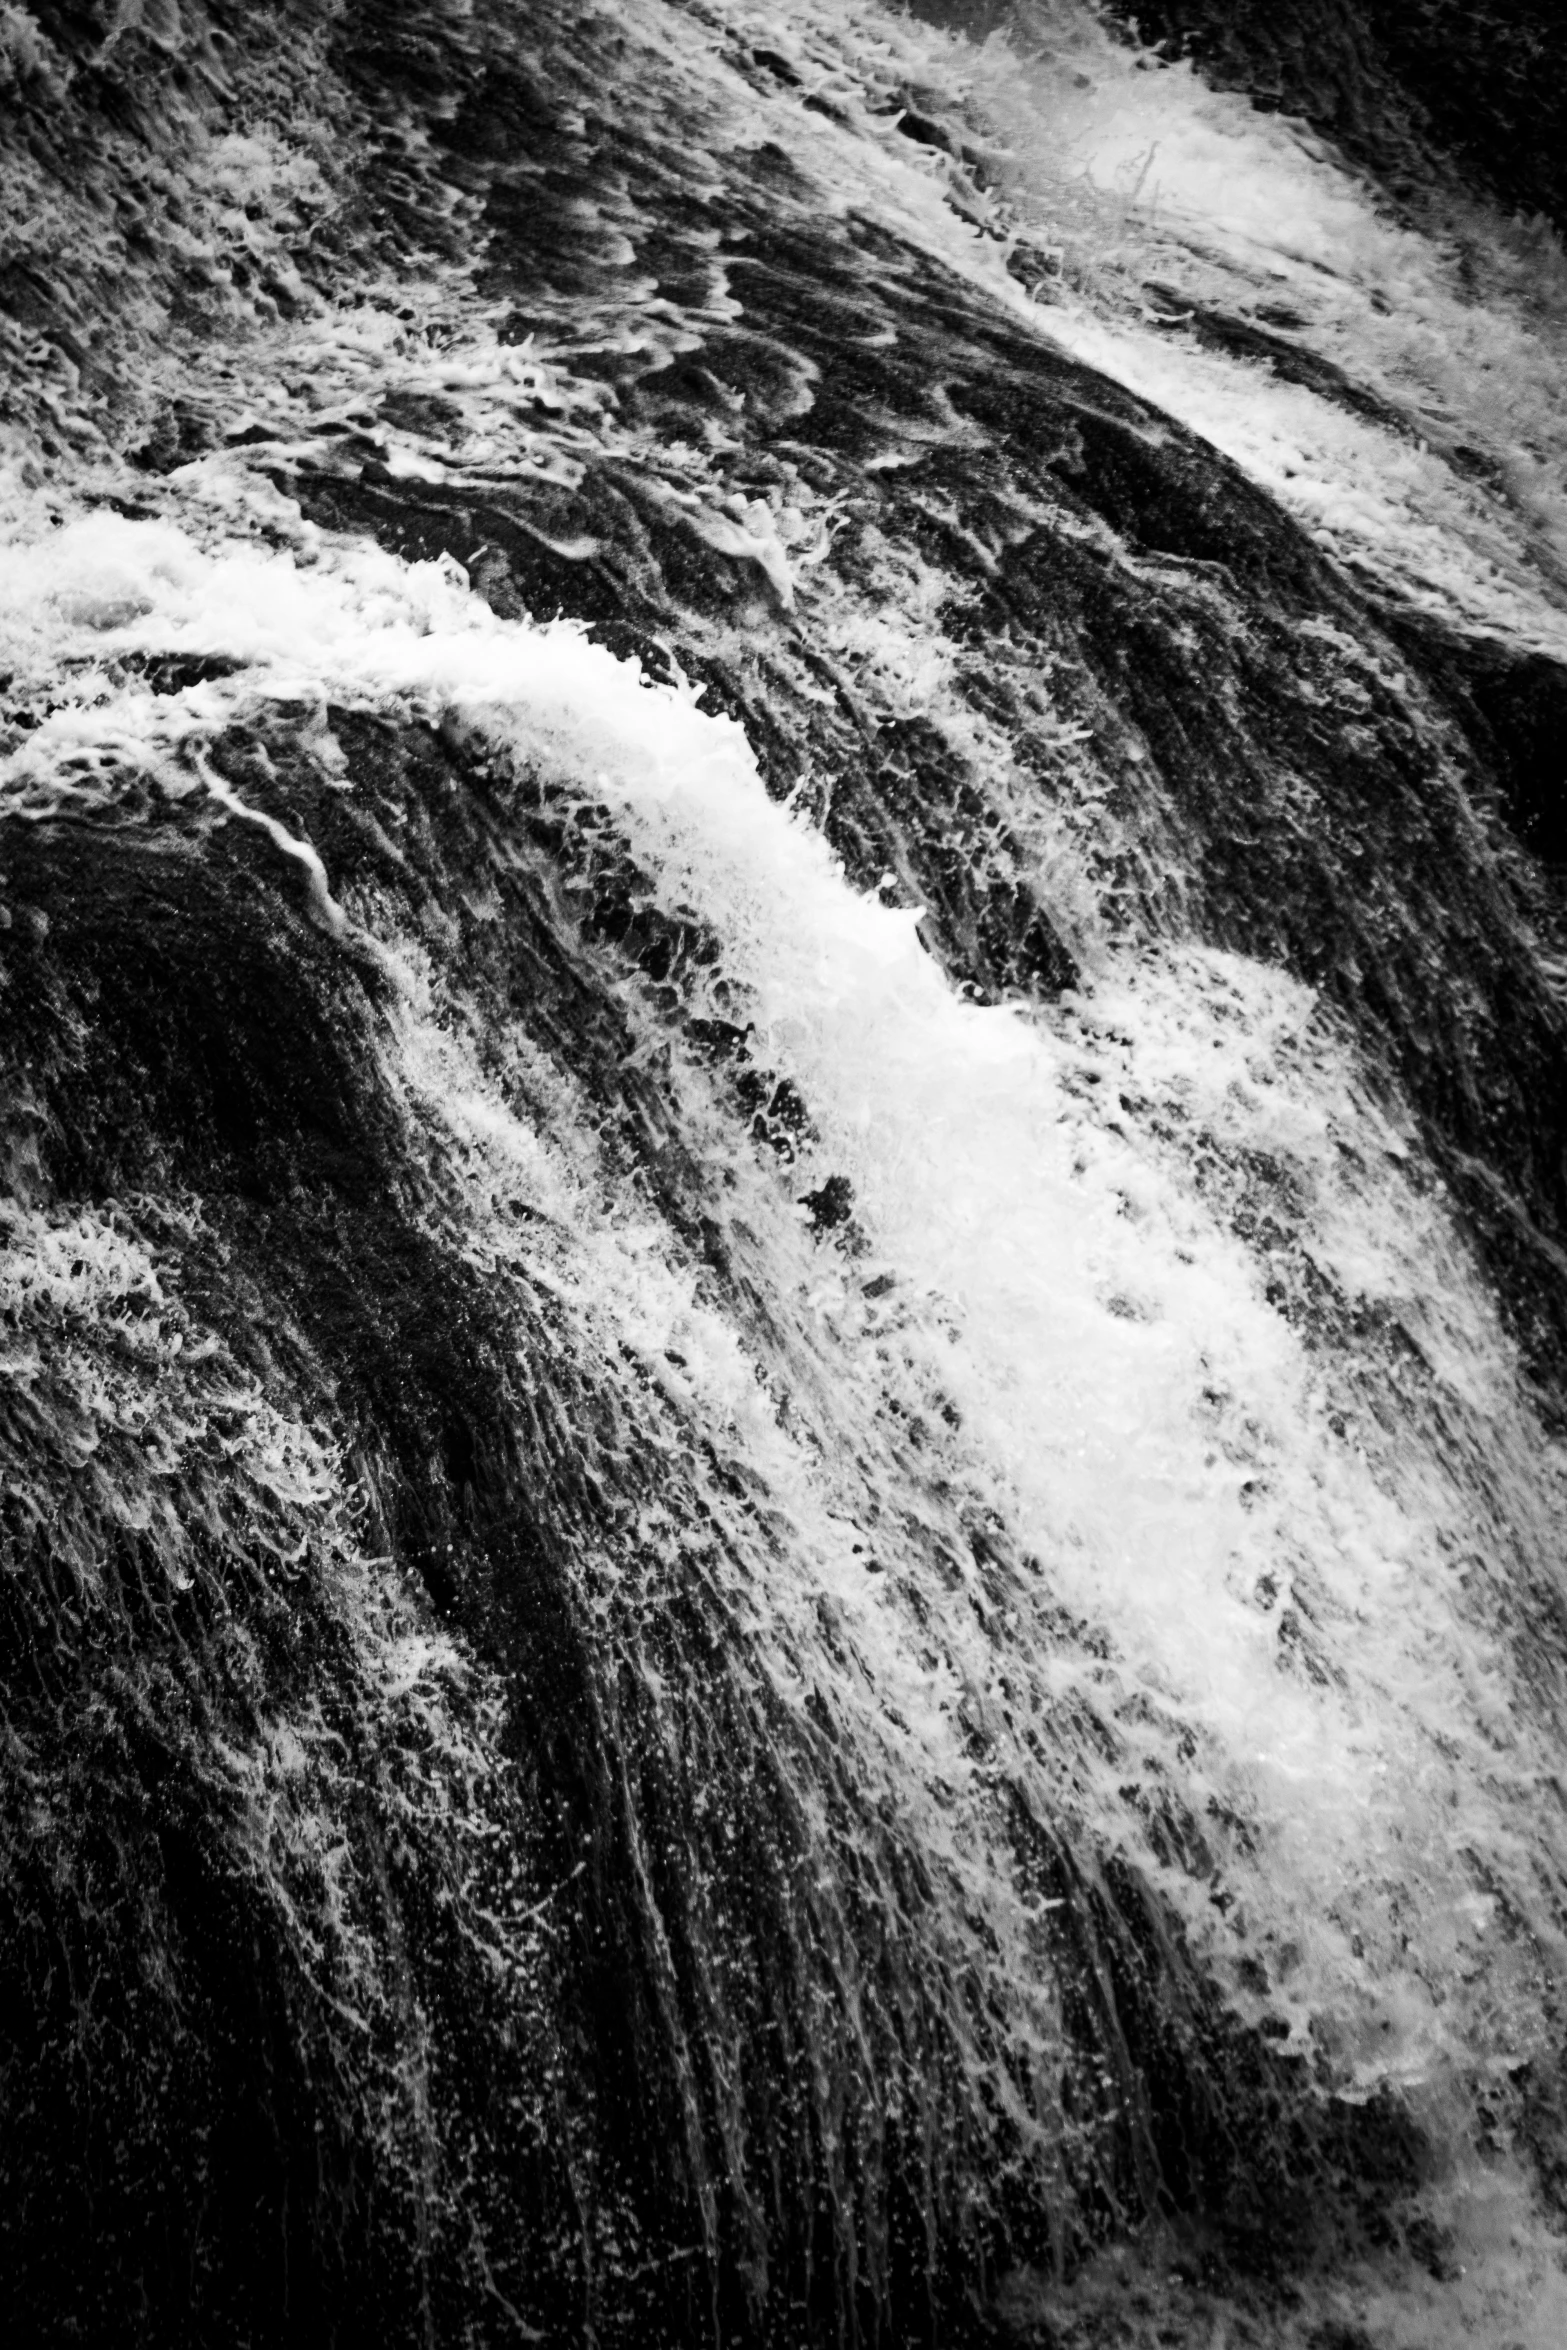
(1121, 1424)
(1242, 1561)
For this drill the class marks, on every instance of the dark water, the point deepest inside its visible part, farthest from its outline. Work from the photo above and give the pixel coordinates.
(783, 1265)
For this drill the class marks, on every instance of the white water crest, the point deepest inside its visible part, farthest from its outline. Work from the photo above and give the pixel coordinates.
(1118, 172)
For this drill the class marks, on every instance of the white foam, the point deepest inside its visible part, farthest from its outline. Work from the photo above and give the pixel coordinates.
(1128, 169)
(1140, 1413)
(1305, 1579)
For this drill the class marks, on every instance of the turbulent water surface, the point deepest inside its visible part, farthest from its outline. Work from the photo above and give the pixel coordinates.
(783, 1266)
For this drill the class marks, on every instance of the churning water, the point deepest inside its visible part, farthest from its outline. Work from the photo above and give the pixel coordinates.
(990, 1218)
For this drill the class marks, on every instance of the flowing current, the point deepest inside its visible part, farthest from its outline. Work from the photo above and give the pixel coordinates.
(782, 1274)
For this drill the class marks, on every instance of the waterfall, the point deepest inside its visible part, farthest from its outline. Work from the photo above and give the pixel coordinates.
(784, 1307)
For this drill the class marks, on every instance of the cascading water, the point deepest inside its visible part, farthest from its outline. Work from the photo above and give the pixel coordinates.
(785, 1333)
